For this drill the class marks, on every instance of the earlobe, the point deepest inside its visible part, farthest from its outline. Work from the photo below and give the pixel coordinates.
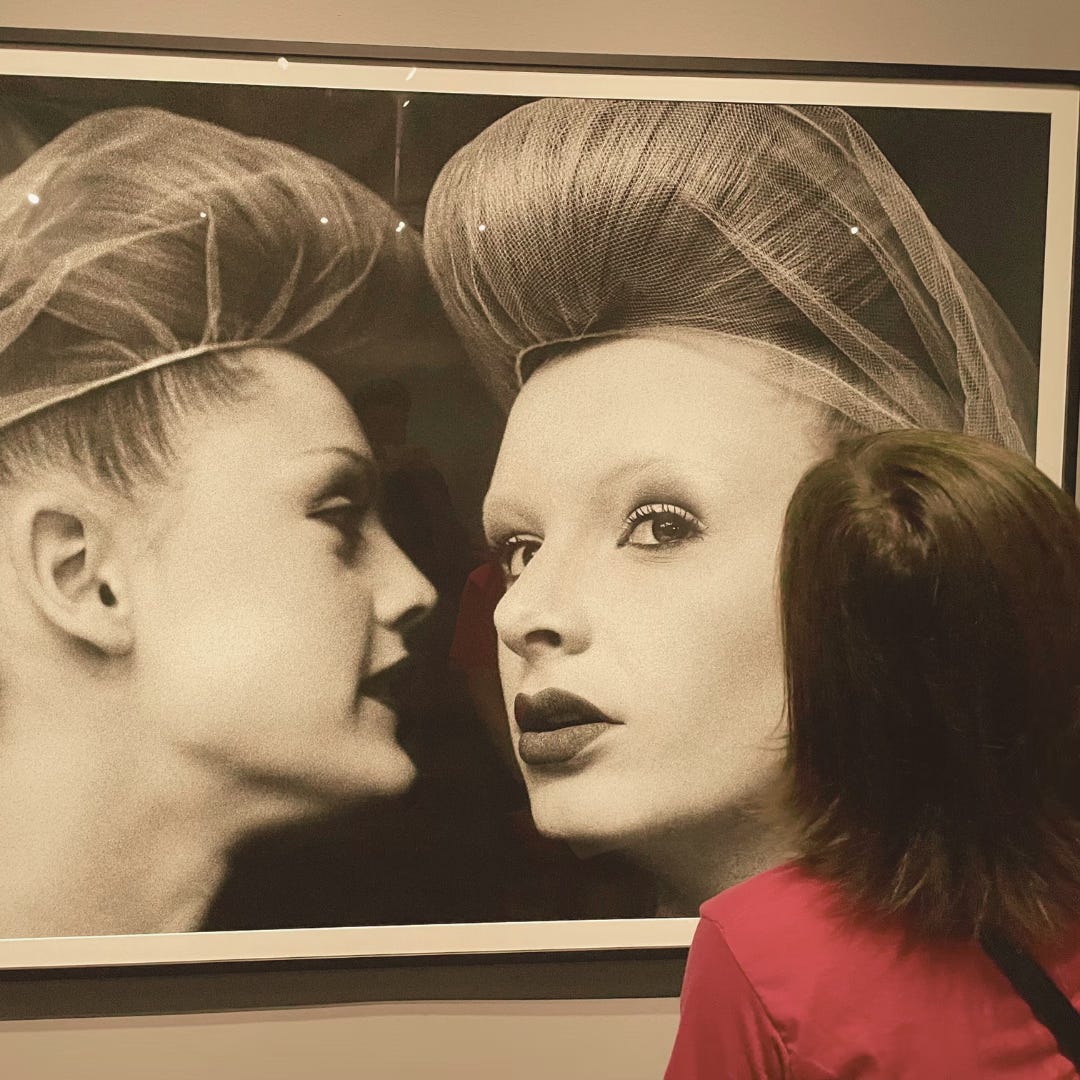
(64, 556)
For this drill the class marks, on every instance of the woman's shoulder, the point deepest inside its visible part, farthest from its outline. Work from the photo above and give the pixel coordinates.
(784, 887)
(788, 919)
(838, 984)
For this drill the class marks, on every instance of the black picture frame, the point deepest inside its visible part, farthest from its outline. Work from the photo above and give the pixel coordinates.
(603, 938)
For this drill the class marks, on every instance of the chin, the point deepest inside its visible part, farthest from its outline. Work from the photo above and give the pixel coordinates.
(397, 781)
(375, 774)
(589, 827)
(386, 775)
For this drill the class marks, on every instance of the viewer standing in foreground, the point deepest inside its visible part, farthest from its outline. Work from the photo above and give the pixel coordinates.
(930, 595)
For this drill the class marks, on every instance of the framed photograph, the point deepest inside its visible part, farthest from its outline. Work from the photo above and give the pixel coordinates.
(305, 359)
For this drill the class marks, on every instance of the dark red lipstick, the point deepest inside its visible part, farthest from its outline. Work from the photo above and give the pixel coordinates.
(390, 685)
(556, 726)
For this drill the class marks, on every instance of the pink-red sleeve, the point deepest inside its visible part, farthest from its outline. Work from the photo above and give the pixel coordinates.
(724, 1031)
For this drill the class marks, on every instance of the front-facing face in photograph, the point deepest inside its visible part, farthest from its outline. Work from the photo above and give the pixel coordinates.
(636, 509)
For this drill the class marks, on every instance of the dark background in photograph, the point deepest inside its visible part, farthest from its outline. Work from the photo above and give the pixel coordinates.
(460, 846)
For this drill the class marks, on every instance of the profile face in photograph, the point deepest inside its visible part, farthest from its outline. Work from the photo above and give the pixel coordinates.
(272, 600)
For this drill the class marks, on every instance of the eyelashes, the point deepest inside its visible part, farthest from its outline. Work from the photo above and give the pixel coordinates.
(660, 525)
(346, 505)
(349, 518)
(515, 553)
(656, 526)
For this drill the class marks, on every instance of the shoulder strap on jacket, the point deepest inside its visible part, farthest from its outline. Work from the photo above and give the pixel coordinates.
(1050, 1006)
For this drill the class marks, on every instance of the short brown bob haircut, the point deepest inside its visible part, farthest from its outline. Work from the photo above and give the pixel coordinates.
(930, 592)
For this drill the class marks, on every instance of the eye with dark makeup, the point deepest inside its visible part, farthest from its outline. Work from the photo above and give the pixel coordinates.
(657, 526)
(660, 525)
(347, 503)
(514, 553)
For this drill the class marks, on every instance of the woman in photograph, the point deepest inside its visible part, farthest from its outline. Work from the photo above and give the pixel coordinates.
(930, 606)
(686, 304)
(203, 616)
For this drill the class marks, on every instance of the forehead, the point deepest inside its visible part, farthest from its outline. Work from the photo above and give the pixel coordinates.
(294, 409)
(690, 398)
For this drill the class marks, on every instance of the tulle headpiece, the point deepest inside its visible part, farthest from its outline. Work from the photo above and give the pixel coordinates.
(575, 219)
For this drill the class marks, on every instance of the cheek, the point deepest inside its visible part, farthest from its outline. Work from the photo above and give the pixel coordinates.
(510, 674)
(712, 638)
(713, 691)
(279, 608)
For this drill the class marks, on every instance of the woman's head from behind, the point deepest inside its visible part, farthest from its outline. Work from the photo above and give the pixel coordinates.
(930, 588)
(188, 498)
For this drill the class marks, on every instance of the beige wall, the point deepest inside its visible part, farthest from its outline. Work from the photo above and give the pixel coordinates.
(1004, 33)
(620, 1040)
(626, 1039)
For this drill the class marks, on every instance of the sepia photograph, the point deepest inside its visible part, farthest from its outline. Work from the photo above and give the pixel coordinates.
(394, 461)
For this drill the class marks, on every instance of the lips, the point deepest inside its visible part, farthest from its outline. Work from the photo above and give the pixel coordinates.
(389, 685)
(556, 726)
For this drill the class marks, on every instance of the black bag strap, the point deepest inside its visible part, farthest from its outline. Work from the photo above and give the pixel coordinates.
(1051, 1007)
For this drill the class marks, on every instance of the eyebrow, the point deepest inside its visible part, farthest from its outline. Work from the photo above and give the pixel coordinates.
(362, 467)
(344, 451)
(494, 510)
(660, 468)
(656, 470)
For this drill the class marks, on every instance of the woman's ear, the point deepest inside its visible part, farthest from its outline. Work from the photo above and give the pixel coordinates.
(65, 555)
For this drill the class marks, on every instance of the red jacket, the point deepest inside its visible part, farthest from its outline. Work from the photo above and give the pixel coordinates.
(780, 983)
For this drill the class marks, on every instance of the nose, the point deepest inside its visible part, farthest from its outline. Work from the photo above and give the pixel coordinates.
(543, 611)
(403, 597)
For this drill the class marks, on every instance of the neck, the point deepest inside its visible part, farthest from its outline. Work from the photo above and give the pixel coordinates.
(104, 832)
(693, 862)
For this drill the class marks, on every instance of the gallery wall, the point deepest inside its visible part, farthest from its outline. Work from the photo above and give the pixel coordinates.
(1003, 33)
(445, 1022)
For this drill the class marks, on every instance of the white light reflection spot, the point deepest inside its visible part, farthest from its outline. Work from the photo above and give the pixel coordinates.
(282, 63)
(400, 227)
(483, 228)
(324, 220)
(33, 198)
(412, 72)
(854, 229)
(405, 103)
(202, 213)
